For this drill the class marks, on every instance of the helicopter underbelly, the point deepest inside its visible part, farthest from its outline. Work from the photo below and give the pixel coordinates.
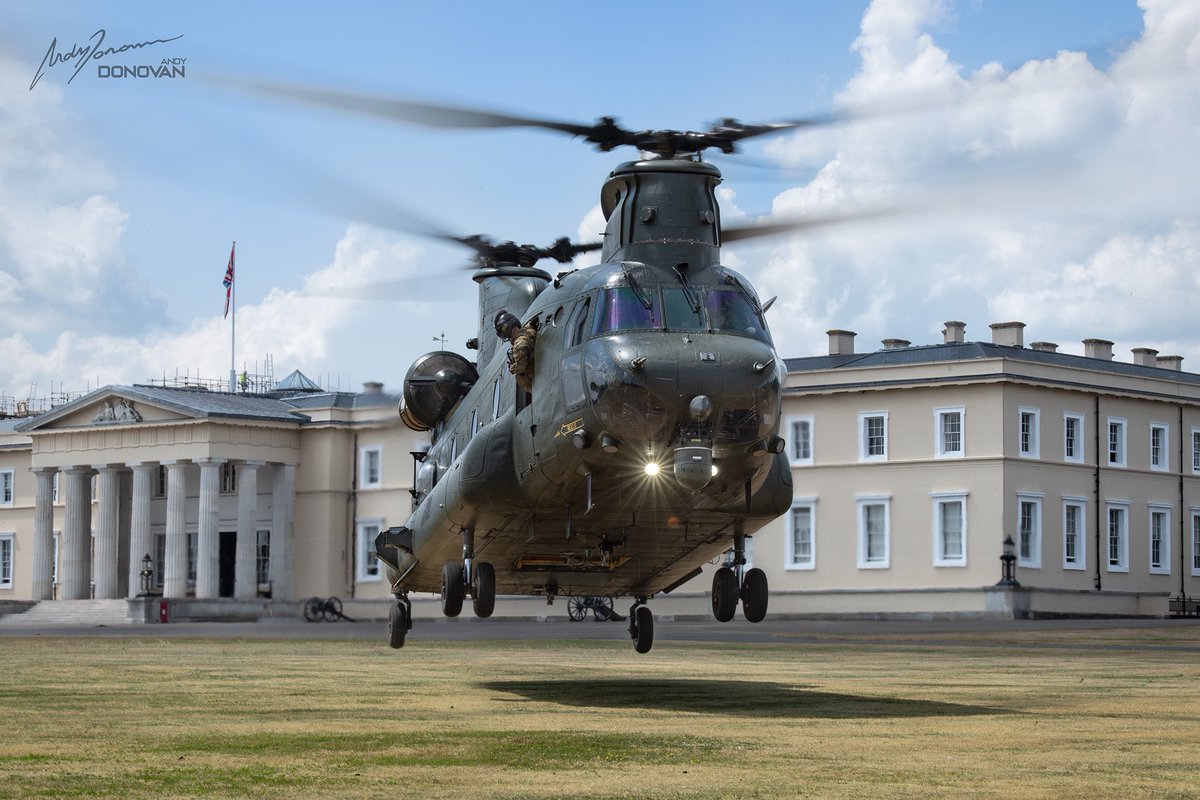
(633, 541)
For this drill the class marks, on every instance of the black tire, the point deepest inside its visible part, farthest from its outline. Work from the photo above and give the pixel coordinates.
(332, 610)
(312, 609)
(754, 595)
(643, 629)
(724, 594)
(397, 626)
(483, 589)
(576, 610)
(453, 589)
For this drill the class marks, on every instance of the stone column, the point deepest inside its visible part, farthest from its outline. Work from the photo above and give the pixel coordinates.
(108, 508)
(245, 579)
(140, 542)
(43, 535)
(208, 536)
(283, 501)
(175, 569)
(76, 545)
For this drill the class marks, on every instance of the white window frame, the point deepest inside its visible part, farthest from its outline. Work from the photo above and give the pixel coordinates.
(809, 503)
(1195, 537)
(1196, 451)
(1164, 567)
(55, 498)
(367, 568)
(7, 563)
(1122, 442)
(364, 479)
(863, 416)
(1034, 559)
(57, 537)
(1080, 442)
(8, 487)
(228, 477)
(1164, 447)
(1035, 432)
(940, 499)
(1123, 542)
(1080, 562)
(861, 502)
(939, 438)
(792, 442)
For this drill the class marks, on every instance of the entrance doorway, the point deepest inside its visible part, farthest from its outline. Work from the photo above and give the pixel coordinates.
(226, 563)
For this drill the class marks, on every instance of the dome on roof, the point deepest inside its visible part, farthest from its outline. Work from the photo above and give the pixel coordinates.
(297, 381)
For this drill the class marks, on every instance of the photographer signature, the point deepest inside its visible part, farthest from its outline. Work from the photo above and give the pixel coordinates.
(86, 53)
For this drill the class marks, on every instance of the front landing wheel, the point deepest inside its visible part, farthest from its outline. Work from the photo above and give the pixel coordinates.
(754, 595)
(453, 589)
(724, 594)
(483, 589)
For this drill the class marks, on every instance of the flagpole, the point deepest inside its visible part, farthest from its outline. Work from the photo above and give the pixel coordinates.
(233, 326)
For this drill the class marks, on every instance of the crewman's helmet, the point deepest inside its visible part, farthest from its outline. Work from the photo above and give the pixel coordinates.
(504, 323)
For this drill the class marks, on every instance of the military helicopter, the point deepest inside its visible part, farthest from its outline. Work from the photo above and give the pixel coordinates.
(648, 442)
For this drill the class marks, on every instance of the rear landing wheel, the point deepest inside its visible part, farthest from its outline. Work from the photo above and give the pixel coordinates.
(724, 594)
(397, 626)
(643, 629)
(453, 589)
(754, 595)
(483, 589)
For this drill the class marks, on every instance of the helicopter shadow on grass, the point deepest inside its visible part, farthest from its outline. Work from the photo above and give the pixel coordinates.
(728, 697)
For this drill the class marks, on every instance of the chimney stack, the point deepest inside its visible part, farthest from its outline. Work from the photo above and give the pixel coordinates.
(372, 387)
(1170, 362)
(1008, 334)
(1045, 347)
(841, 343)
(895, 344)
(954, 332)
(1145, 357)
(1098, 348)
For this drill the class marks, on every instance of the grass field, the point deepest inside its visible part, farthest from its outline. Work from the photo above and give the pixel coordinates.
(1108, 713)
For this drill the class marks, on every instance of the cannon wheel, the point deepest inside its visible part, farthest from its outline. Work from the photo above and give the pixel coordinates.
(576, 609)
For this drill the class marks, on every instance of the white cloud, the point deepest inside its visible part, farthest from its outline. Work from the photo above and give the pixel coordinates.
(1056, 193)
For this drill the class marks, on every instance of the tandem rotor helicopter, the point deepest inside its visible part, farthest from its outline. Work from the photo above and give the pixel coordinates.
(647, 443)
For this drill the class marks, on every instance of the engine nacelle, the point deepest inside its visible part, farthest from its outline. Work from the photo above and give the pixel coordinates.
(433, 386)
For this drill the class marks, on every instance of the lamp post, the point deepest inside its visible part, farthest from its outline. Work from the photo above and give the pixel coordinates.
(1008, 561)
(147, 574)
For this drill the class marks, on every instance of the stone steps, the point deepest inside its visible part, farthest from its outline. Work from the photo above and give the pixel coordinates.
(84, 613)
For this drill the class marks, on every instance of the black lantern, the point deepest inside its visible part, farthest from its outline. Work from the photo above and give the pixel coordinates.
(147, 574)
(1008, 560)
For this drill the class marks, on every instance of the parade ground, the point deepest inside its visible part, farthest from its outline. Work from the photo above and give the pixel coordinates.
(516, 709)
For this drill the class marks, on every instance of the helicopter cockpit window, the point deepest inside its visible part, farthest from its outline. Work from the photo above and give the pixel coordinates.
(730, 311)
(624, 308)
(679, 313)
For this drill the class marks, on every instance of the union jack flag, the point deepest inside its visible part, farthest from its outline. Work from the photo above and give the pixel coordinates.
(228, 282)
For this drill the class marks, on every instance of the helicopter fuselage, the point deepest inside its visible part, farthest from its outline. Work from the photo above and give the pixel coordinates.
(650, 436)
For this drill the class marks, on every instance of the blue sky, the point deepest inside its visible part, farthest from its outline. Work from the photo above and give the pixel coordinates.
(120, 198)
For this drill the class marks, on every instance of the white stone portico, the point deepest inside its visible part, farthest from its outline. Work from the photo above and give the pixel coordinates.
(140, 470)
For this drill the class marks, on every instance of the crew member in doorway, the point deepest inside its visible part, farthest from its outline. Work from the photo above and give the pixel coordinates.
(520, 354)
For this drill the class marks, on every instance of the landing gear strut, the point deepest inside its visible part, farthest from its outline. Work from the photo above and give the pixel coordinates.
(641, 626)
(731, 585)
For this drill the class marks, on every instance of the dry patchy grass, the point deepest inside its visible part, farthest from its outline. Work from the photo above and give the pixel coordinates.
(1089, 716)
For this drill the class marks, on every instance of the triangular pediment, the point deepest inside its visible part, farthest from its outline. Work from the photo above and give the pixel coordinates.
(104, 408)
